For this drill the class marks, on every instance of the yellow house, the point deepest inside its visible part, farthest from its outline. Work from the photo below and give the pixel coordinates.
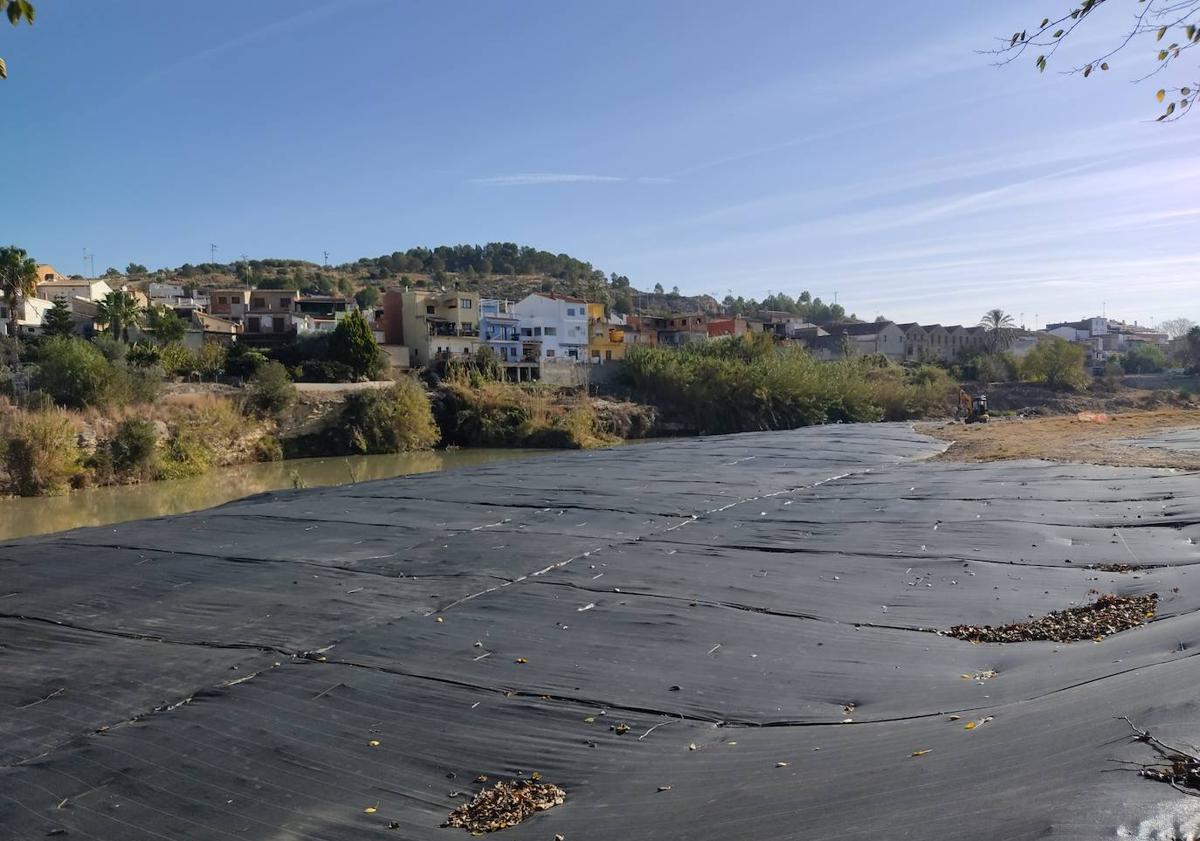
(605, 343)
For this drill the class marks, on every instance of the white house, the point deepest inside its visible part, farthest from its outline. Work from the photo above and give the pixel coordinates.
(29, 319)
(65, 289)
(560, 322)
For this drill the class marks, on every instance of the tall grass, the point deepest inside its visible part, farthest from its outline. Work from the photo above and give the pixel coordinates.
(745, 383)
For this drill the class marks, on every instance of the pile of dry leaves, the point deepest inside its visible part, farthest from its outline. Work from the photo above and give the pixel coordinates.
(1106, 615)
(505, 804)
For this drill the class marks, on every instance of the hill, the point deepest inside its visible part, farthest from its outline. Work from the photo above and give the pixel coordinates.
(495, 270)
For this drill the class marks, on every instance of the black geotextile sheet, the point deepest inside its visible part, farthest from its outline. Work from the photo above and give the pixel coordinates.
(719, 638)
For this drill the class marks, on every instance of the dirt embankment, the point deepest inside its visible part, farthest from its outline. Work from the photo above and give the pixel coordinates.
(1032, 399)
(1088, 439)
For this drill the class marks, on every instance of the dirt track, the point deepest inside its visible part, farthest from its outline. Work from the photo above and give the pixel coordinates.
(1068, 439)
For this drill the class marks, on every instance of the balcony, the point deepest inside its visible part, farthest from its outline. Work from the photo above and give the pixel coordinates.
(453, 328)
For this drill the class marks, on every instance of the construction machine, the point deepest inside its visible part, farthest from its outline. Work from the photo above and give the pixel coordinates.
(972, 409)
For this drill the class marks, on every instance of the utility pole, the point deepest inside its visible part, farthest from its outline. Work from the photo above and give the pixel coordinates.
(212, 252)
(326, 253)
(90, 258)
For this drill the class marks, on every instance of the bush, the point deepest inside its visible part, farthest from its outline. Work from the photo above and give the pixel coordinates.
(323, 371)
(185, 454)
(271, 391)
(177, 359)
(1058, 364)
(991, 368)
(242, 362)
(133, 449)
(74, 372)
(1143, 358)
(143, 355)
(268, 448)
(353, 344)
(210, 360)
(391, 420)
(41, 454)
(743, 383)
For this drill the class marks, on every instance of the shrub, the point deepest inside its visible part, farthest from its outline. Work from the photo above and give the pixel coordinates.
(1058, 364)
(41, 454)
(271, 391)
(353, 344)
(114, 350)
(746, 383)
(391, 420)
(133, 448)
(74, 372)
(185, 453)
(242, 362)
(210, 360)
(268, 448)
(177, 359)
(143, 355)
(1143, 358)
(323, 371)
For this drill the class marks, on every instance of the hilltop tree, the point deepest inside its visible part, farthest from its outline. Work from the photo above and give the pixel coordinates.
(18, 281)
(367, 297)
(658, 289)
(1176, 327)
(57, 321)
(1173, 24)
(136, 269)
(17, 11)
(1001, 329)
(117, 313)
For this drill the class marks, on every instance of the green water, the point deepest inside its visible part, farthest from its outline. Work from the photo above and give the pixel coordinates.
(22, 517)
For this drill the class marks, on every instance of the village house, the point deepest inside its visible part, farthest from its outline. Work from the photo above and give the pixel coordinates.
(560, 322)
(58, 288)
(270, 317)
(643, 329)
(683, 328)
(500, 330)
(433, 326)
(29, 316)
(605, 341)
(229, 303)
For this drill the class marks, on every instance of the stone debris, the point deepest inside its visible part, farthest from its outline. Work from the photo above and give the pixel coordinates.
(505, 804)
(1108, 614)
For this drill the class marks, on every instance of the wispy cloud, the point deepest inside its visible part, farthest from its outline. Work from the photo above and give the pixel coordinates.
(525, 179)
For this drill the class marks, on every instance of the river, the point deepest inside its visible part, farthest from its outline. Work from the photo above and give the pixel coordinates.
(21, 517)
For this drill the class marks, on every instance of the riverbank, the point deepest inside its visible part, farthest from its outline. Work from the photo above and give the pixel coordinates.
(27, 516)
(1086, 438)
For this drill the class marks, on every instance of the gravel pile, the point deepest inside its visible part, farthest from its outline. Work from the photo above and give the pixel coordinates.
(1106, 615)
(505, 804)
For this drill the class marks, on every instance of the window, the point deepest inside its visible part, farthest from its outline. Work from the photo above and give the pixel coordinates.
(526, 331)
(551, 331)
(549, 353)
(260, 304)
(430, 310)
(465, 303)
(537, 331)
(284, 303)
(570, 310)
(608, 355)
(221, 299)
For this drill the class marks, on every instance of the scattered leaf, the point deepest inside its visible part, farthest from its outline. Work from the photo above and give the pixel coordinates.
(781, 764)
(440, 620)
(664, 788)
(1161, 95)
(374, 743)
(521, 660)
(970, 725)
(591, 719)
(921, 752)
(370, 810)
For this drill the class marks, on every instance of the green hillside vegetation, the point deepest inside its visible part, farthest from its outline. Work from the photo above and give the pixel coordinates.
(495, 270)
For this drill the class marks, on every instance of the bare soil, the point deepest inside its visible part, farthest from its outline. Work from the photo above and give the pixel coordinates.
(1068, 439)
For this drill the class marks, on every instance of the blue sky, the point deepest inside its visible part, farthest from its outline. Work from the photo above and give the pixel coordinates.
(761, 146)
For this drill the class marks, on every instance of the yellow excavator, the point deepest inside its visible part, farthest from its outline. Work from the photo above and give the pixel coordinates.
(972, 409)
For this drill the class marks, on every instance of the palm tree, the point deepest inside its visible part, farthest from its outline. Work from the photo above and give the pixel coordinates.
(1001, 328)
(18, 281)
(118, 312)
